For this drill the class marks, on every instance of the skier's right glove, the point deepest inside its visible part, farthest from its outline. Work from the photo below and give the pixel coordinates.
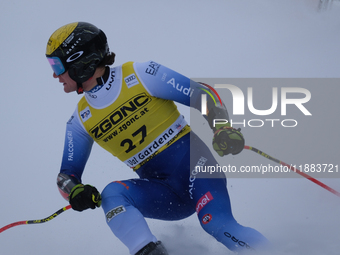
(228, 140)
(83, 197)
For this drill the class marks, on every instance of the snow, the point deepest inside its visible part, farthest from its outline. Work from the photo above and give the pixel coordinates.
(246, 39)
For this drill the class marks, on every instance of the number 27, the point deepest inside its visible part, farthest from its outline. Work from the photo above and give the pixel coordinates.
(142, 130)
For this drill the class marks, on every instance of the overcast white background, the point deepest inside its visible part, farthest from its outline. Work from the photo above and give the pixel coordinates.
(211, 39)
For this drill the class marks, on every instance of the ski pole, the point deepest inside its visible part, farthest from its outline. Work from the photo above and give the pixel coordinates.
(35, 221)
(293, 169)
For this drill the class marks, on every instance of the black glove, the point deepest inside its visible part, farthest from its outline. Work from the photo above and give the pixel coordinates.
(83, 197)
(228, 140)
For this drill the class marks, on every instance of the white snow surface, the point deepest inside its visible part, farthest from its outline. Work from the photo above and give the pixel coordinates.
(222, 38)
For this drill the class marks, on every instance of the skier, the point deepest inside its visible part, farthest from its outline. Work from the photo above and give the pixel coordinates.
(129, 110)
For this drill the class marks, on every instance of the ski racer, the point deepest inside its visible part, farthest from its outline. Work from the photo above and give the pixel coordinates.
(129, 111)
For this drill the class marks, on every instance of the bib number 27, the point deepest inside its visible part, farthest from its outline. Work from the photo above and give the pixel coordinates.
(131, 146)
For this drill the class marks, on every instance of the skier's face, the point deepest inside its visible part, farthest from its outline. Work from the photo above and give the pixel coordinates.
(69, 84)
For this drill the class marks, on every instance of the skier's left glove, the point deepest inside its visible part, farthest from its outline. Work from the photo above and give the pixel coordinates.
(228, 140)
(83, 197)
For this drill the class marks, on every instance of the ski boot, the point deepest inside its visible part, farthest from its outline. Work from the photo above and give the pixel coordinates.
(153, 249)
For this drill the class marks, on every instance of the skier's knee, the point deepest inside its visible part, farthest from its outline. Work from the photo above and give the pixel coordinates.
(114, 194)
(116, 188)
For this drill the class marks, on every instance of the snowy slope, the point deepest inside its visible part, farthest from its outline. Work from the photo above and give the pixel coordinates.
(210, 39)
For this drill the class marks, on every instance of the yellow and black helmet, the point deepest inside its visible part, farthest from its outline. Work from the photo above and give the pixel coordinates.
(77, 48)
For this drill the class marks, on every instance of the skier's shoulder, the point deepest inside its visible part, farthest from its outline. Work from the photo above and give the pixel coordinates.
(149, 67)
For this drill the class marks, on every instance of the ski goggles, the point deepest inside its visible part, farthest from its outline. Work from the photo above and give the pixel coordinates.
(57, 65)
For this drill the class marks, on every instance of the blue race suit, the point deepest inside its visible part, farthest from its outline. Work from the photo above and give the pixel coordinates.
(131, 114)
